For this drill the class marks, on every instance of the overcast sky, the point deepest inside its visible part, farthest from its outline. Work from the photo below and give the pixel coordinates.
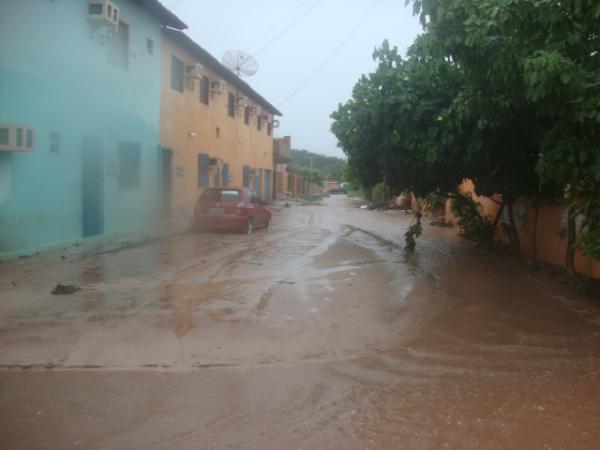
(297, 45)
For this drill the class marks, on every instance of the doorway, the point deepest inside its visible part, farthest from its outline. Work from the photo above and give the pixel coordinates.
(92, 186)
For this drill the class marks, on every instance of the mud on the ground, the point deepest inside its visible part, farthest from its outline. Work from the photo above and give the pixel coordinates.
(322, 333)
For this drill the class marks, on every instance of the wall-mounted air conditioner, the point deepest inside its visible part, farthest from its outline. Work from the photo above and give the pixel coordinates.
(104, 12)
(275, 123)
(218, 87)
(194, 70)
(16, 138)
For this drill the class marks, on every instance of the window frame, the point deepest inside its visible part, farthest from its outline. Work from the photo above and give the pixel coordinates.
(204, 95)
(117, 54)
(231, 105)
(176, 62)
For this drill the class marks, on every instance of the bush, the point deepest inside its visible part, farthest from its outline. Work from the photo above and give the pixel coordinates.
(380, 194)
(357, 192)
(473, 225)
(435, 203)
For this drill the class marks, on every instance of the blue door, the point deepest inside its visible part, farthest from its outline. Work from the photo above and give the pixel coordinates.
(203, 170)
(165, 167)
(92, 186)
(256, 183)
(246, 174)
(225, 175)
(267, 186)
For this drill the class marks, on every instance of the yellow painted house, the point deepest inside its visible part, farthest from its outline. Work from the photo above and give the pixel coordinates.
(215, 130)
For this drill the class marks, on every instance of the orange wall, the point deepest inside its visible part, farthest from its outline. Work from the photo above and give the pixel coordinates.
(551, 234)
(181, 114)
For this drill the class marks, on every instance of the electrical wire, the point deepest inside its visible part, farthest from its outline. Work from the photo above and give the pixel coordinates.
(321, 66)
(286, 30)
(274, 27)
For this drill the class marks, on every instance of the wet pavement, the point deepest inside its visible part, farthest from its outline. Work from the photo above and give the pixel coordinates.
(321, 333)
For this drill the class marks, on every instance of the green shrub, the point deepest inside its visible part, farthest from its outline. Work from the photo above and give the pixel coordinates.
(473, 225)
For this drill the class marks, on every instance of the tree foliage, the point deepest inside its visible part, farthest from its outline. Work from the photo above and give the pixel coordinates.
(503, 92)
(312, 175)
(332, 167)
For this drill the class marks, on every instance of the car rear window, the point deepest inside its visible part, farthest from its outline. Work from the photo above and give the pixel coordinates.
(230, 196)
(215, 195)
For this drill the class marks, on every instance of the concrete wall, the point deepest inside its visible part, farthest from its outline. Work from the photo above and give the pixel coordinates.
(190, 127)
(55, 77)
(281, 178)
(551, 237)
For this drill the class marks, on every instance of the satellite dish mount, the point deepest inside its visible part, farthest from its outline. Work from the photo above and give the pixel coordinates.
(240, 63)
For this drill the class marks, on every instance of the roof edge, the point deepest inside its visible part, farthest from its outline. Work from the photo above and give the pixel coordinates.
(162, 13)
(183, 40)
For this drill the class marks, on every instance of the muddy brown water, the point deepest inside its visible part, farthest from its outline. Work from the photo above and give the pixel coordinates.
(322, 333)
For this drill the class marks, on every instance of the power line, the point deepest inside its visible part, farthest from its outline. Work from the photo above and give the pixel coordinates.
(292, 25)
(266, 33)
(331, 55)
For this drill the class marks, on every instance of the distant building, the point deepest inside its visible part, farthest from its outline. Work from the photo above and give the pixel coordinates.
(282, 160)
(215, 129)
(333, 186)
(79, 119)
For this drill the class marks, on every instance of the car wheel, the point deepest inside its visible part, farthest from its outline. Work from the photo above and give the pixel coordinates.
(249, 227)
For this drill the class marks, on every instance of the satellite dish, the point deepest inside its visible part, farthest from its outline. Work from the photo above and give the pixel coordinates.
(240, 63)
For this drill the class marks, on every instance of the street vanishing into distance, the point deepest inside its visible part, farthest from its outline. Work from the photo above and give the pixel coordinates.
(320, 333)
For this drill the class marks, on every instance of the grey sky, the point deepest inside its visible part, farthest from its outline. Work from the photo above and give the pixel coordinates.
(292, 50)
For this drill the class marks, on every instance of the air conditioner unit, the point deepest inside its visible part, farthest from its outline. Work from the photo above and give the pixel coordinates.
(103, 11)
(275, 123)
(194, 70)
(16, 138)
(218, 87)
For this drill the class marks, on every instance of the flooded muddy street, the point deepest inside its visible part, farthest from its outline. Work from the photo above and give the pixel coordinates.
(322, 333)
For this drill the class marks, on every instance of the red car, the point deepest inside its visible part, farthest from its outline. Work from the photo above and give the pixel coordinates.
(230, 210)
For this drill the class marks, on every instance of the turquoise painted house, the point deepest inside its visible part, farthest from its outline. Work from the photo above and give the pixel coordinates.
(79, 120)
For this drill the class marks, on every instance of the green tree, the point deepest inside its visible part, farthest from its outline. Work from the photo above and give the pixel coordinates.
(534, 68)
(312, 175)
(332, 167)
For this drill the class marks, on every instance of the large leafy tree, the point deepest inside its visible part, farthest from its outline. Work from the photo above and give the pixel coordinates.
(504, 92)
(357, 130)
(532, 70)
(397, 128)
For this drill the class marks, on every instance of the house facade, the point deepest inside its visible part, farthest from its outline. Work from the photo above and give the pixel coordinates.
(79, 119)
(215, 130)
(282, 160)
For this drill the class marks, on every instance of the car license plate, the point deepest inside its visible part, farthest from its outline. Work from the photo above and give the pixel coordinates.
(216, 211)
